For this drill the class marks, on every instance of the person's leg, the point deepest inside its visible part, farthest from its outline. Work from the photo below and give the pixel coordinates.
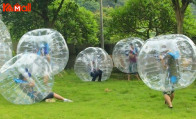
(129, 77)
(93, 75)
(100, 75)
(57, 96)
(172, 97)
(138, 78)
(48, 57)
(130, 71)
(46, 78)
(168, 100)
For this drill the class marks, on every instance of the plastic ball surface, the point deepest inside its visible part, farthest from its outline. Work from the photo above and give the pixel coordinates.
(168, 62)
(93, 64)
(25, 79)
(48, 43)
(5, 53)
(125, 54)
(5, 35)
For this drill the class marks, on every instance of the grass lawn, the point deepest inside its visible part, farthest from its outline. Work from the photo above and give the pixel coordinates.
(115, 98)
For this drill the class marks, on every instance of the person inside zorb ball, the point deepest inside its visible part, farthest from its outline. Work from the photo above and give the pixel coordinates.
(167, 63)
(25, 79)
(48, 43)
(125, 55)
(93, 63)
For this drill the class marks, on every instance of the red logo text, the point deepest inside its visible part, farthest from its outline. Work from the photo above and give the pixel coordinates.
(16, 8)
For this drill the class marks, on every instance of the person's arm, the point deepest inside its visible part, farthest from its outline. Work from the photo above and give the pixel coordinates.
(131, 55)
(32, 84)
(162, 57)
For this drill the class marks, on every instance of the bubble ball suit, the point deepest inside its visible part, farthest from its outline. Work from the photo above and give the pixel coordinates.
(5, 53)
(48, 43)
(125, 54)
(25, 79)
(5, 35)
(91, 62)
(167, 62)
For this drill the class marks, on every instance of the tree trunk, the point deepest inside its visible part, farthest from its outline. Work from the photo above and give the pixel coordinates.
(179, 11)
(179, 19)
(101, 25)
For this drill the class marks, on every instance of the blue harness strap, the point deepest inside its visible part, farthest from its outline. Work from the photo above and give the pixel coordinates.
(30, 94)
(173, 79)
(45, 48)
(175, 55)
(16, 80)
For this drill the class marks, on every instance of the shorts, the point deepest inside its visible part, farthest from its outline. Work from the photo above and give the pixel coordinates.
(50, 95)
(133, 68)
(168, 92)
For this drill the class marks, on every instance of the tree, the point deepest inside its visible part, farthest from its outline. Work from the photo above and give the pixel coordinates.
(41, 8)
(141, 18)
(101, 22)
(180, 8)
(76, 24)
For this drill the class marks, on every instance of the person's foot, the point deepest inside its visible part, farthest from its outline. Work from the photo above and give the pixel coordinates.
(50, 100)
(170, 107)
(67, 100)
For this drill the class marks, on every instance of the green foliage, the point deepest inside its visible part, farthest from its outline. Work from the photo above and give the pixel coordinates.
(93, 5)
(142, 18)
(189, 23)
(89, 5)
(115, 98)
(75, 23)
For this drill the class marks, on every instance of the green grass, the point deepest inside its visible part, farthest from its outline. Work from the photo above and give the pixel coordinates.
(124, 100)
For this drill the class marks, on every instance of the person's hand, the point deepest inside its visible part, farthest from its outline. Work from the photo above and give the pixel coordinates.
(161, 57)
(131, 55)
(32, 84)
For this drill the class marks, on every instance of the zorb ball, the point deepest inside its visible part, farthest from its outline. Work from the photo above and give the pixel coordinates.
(48, 43)
(125, 54)
(5, 53)
(5, 35)
(92, 64)
(25, 79)
(167, 62)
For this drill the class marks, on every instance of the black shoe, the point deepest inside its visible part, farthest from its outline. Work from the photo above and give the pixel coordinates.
(170, 107)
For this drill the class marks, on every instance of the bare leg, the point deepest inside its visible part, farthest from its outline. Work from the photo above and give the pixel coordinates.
(168, 100)
(58, 97)
(61, 98)
(128, 77)
(46, 77)
(138, 78)
(48, 57)
(172, 97)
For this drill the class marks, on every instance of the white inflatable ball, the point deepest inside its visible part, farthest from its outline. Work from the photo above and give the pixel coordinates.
(48, 43)
(25, 79)
(5, 35)
(93, 64)
(5, 53)
(125, 54)
(168, 62)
